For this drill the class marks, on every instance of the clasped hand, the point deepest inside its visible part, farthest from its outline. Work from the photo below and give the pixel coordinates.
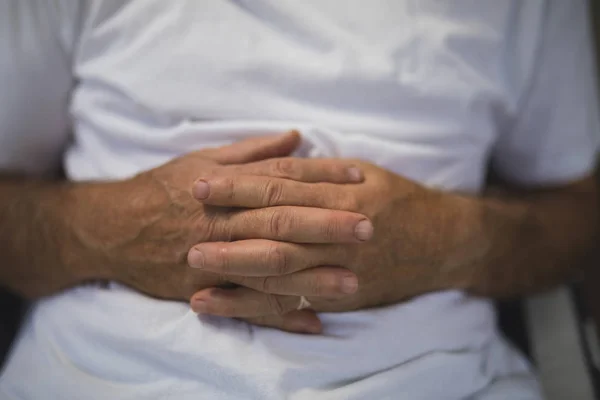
(403, 256)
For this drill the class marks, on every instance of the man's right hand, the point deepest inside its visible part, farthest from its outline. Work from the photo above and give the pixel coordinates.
(139, 231)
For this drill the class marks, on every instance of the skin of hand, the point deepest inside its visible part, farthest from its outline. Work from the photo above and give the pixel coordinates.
(138, 231)
(409, 246)
(501, 244)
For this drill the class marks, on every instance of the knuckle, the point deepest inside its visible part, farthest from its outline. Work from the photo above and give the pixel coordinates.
(216, 229)
(276, 305)
(222, 260)
(332, 227)
(283, 167)
(318, 286)
(273, 192)
(277, 260)
(266, 284)
(228, 187)
(261, 284)
(207, 227)
(278, 223)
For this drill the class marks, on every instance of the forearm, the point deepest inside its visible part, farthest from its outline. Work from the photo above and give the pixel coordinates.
(531, 241)
(35, 238)
(57, 234)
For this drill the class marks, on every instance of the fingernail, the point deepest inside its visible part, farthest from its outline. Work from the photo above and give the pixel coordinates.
(363, 230)
(201, 190)
(349, 285)
(355, 174)
(199, 306)
(196, 259)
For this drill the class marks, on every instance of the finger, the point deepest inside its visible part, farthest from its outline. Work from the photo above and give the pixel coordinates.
(302, 170)
(324, 282)
(249, 191)
(304, 321)
(293, 224)
(259, 257)
(254, 149)
(241, 302)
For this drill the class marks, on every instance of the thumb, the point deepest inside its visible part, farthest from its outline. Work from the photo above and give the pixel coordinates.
(255, 149)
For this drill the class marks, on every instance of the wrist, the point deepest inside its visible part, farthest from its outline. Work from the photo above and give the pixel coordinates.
(113, 224)
(465, 242)
(92, 213)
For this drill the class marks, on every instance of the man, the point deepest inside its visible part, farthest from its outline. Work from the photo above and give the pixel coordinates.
(376, 221)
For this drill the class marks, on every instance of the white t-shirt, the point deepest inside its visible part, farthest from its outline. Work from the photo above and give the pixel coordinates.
(432, 90)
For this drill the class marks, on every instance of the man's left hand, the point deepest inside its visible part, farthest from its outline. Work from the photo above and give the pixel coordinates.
(418, 246)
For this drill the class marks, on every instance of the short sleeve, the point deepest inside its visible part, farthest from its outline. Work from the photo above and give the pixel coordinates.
(36, 38)
(554, 137)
